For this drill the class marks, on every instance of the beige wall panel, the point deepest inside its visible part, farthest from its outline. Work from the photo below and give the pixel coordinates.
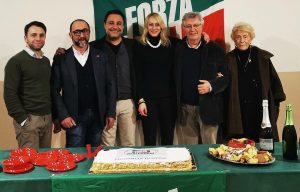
(291, 86)
(7, 134)
(290, 81)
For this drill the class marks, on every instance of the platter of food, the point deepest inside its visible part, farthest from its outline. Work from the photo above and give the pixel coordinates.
(248, 155)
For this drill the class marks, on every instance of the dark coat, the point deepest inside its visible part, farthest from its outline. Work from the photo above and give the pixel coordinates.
(64, 80)
(213, 61)
(129, 43)
(271, 89)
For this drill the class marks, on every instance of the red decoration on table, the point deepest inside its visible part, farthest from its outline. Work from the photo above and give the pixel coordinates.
(97, 150)
(91, 154)
(59, 152)
(18, 169)
(60, 166)
(29, 152)
(58, 160)
(16, 161)
(78, 157)
(240, 143)
(44, 158)
(89, 150)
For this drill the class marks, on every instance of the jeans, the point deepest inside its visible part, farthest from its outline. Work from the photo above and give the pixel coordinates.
(88, 130)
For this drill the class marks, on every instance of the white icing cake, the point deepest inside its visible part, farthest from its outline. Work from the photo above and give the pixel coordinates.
(143, 155)
(142, 160)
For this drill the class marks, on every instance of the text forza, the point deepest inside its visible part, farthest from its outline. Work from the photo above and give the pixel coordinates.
(136, 14)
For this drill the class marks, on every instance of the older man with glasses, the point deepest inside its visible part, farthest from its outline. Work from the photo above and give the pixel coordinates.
(83, 90)
(199, 87)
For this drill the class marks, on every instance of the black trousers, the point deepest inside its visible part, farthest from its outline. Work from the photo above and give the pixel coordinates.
(162, 116)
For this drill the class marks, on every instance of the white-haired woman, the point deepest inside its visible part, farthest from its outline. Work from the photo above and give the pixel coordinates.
(253, 78)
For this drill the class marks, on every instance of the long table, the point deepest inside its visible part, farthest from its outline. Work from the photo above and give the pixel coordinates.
(211, 175)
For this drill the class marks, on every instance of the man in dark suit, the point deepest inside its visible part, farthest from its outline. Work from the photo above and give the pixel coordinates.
(120, 59)
(83, 89)
(199, 87)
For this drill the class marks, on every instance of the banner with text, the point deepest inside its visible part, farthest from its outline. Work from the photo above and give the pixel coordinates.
(171, 11)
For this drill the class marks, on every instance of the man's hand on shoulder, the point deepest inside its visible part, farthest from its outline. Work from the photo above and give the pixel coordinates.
(60, 51)
(206, 37)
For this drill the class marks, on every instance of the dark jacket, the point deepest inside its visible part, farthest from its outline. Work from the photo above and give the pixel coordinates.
(213, 61)
(64, 85)
(271, 89)
(100, 44)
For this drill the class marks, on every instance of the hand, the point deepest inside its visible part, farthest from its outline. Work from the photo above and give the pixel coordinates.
(143, 109)
(219, 75)
(60, 51)
(204, 87)
(110, 122)
(56, 126)
(206, 37)
(68, 122)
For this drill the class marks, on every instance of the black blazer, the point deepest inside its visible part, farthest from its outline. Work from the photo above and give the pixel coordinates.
(213, 61)
(64, 85)
(129, 43)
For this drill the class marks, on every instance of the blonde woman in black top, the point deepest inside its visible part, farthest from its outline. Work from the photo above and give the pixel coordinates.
(154, 65)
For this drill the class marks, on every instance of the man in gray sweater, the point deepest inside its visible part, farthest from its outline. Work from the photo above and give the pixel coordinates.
(27, 90)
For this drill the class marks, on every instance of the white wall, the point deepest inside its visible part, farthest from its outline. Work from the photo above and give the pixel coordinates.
(275, 21)
(55, 14)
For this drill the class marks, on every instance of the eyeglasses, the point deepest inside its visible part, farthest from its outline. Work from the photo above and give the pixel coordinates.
(191, 26)
(84, 31)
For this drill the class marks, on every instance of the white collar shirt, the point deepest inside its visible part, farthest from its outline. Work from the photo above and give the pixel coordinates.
(33, 54)
(81, 58)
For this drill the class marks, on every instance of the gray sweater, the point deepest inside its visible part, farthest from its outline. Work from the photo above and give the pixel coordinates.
(27, 86)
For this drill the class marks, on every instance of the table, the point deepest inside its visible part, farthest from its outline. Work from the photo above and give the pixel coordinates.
(211, 175)
(281, 176)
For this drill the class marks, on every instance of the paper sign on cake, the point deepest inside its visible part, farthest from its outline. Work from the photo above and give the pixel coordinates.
(142, 160)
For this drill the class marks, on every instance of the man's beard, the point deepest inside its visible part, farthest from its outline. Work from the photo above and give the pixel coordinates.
(110, 38)
(33, 48)
(81, 43)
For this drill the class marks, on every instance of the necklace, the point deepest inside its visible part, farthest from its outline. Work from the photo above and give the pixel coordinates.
(154, 46)
(247, 61)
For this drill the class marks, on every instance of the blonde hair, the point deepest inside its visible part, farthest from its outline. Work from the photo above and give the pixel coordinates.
(243, 26)
(163, 33)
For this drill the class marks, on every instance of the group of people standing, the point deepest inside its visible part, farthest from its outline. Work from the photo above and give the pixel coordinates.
(97, 91)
